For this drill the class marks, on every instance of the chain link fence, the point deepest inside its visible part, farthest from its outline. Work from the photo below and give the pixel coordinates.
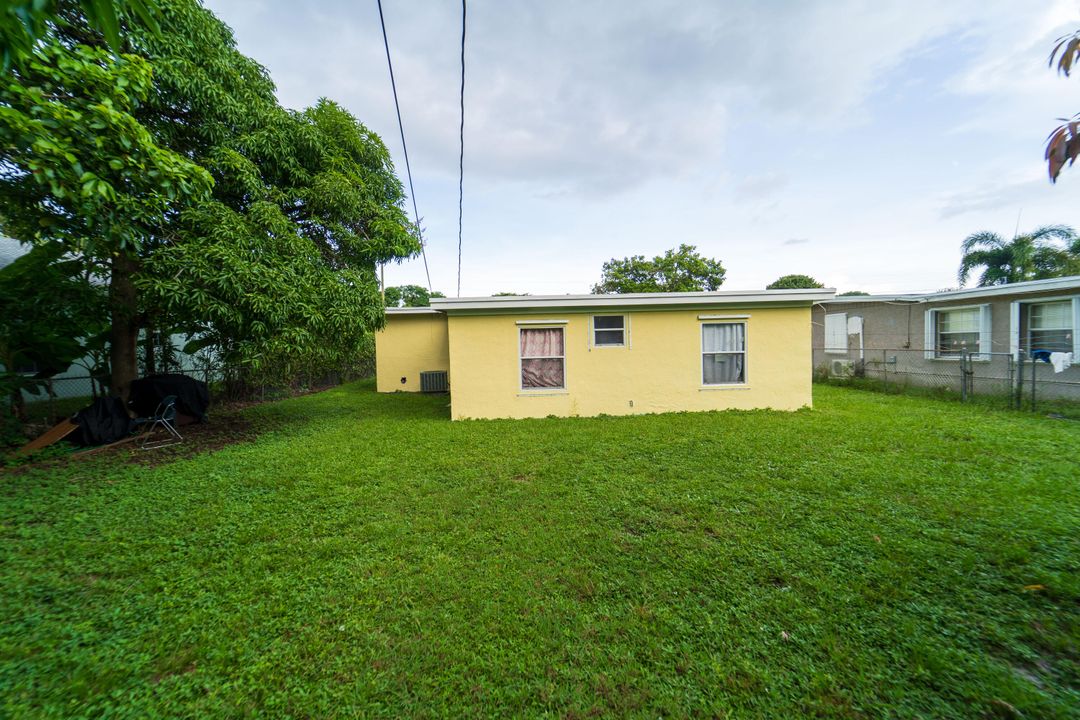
(999, 379)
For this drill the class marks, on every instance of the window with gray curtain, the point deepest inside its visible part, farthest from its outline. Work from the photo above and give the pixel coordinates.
(723, 353)
(543, 358)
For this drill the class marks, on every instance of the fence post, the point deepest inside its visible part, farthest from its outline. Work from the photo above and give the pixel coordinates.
(1020, 380)
(1033, 363)
(52, 408)
(1012, 382)
(963, 376)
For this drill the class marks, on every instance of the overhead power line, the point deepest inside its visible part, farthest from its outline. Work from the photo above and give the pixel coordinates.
(408, 169)
(461, 155)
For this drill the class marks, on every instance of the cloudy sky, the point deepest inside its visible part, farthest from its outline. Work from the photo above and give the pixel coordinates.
(855, 141)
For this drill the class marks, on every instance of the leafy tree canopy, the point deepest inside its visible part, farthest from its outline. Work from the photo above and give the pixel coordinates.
(793, 282)
(84, 176)
(1050, 251)
(410, 296)
(82, 171)
(24, 22)
(852, 293)
(206, 205)
(680, 270)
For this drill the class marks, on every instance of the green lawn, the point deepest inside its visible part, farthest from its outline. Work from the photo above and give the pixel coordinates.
(879, 556)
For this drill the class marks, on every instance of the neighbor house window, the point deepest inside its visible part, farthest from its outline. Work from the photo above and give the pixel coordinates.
(543, 358)
(723, 353)
(836, 334)
(609, 330)
(1050, 326)
(958, 331)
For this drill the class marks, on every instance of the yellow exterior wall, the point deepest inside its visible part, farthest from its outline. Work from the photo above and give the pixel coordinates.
(659, 370)
(407, 346)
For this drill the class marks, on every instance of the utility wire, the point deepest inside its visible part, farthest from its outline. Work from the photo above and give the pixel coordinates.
(461, 155)
(405, 148)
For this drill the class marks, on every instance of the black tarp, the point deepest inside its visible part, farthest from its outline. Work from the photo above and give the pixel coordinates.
(104, 421)
(192, 396)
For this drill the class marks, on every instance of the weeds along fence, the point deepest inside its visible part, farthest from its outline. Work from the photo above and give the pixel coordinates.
(999, 379)
(235, 385)
(60, 397)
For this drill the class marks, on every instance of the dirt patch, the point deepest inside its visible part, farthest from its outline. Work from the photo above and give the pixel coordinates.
(229, 424)
(222, 430)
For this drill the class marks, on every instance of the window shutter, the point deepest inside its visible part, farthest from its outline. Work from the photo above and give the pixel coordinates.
(1076, 329)
(985, 335)
(1014, 329)
(929, 333)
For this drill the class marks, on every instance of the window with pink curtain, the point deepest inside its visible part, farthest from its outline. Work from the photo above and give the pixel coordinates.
(543, 358)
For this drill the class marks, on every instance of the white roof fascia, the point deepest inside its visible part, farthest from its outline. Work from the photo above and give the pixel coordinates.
(874, 299)
(1071, 282)
(526, 303)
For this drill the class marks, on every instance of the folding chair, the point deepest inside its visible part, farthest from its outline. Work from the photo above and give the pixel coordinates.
(164, 416)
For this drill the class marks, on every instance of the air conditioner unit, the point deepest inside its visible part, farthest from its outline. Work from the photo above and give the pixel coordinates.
(434, 381)
(842, 368)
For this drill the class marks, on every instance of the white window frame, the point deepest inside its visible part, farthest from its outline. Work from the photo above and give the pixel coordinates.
(836, 349)
(1016, 309)
(593, 330)
(744, 352)
(1070, 303)
(979, 354)
(521, 379)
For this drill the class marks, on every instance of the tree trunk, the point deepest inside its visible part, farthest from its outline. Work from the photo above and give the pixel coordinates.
(149, 346)
(124, 334)
(18, 406)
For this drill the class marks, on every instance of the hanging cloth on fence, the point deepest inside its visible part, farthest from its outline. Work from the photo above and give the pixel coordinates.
(1037, 355)
(1061, 361)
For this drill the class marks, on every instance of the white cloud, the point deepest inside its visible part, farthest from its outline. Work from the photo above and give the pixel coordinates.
(595, 97)
(994, 195)
(597, 130)
(759, 187)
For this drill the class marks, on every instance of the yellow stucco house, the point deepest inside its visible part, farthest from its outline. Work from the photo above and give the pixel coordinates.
(534, 356)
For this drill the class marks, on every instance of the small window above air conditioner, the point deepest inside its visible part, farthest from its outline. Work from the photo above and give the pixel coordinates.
(836, 333)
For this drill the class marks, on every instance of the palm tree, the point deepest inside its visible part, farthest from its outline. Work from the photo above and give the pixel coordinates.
(1033, 256)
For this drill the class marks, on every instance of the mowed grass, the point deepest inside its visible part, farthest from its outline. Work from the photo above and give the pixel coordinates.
(877, 556)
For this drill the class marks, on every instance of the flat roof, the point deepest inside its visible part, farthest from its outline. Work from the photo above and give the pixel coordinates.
(411, 311)
(509, 303)
(1072, 282)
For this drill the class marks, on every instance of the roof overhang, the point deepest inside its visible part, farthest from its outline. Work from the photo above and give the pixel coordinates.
(411, 311)
(1066, 284)
(631, 301)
